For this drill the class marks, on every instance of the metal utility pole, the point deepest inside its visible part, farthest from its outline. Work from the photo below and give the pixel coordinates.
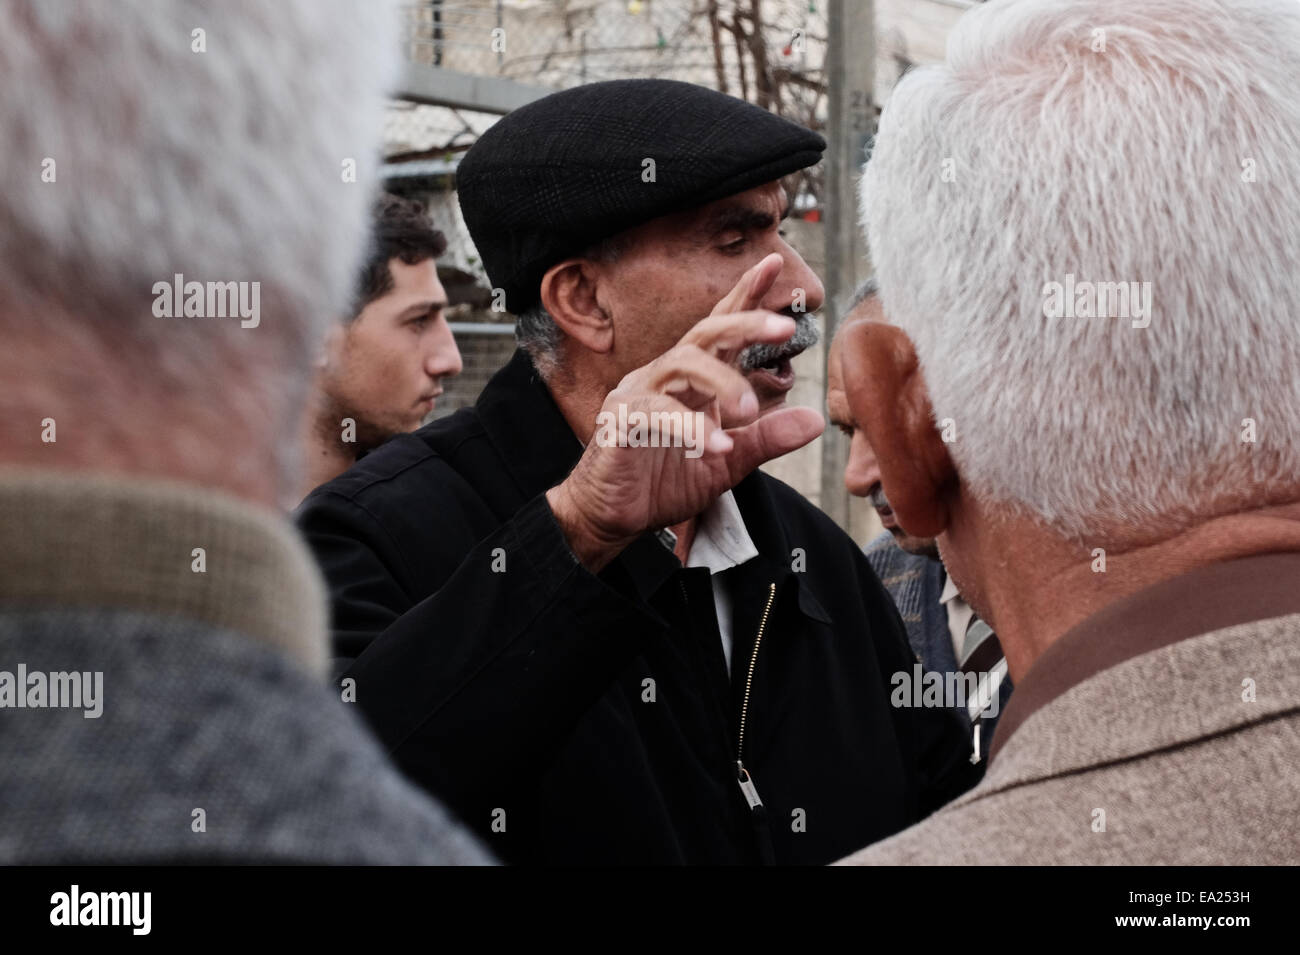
(850, 78)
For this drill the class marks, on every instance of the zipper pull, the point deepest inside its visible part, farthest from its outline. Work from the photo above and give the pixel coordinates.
(747, 786)
(757, 815)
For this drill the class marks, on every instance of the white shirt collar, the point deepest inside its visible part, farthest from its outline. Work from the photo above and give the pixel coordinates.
(949, 590)
(721, 539)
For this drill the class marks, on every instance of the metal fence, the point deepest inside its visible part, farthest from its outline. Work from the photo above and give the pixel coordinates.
(770, 52)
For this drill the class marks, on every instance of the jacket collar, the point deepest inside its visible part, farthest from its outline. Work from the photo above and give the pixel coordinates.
(527, 428)
(767, 528)
(1209, 598)
(539, 449)
(89, 542)
(1148, 672)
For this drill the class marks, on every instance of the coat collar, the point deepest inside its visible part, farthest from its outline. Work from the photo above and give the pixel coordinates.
(1148, 672)
(1210, 598)
(769, 532)
(70, 541)
(527, 428)
(1168, 698)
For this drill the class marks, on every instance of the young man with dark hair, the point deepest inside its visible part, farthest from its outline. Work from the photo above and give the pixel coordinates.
(382, 368)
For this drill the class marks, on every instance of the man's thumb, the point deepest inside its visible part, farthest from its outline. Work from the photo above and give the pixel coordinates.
(771, 436)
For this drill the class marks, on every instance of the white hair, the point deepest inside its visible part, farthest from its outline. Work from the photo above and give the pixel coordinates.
(537, 334)
(145, 139)
(1116, 142)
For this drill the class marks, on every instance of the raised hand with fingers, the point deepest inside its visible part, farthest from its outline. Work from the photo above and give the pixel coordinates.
(695, 398)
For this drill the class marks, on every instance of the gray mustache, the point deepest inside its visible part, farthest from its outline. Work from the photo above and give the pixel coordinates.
(806, 334)
(878, 499)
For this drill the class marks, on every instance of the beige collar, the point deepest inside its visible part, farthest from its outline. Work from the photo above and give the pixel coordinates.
(1213, 598)
(169, 549)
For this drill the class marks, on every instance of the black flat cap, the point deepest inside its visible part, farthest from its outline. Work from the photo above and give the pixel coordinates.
(568, 170)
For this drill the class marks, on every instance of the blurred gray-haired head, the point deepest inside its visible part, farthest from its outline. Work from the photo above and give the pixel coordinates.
(221, 142)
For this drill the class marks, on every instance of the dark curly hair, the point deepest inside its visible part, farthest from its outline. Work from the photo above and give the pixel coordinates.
(400, 229)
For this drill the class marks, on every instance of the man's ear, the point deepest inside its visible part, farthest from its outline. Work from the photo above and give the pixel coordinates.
(889, 400)
(331, 348)
(568, 293)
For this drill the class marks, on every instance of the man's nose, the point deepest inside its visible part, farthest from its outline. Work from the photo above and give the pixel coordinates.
(444, 359)
(861, 473)
(870, 466)
(797, 287)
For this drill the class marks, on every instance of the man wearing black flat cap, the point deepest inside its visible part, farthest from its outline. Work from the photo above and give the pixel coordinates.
(577, 612)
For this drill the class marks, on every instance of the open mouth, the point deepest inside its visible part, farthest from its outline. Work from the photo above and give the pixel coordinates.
(776, 375)
(768, 366)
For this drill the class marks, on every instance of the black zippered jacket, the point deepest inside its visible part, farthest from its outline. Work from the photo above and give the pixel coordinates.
(573, 718)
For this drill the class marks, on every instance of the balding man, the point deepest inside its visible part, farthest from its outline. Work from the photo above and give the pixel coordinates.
(577, 611)
(1091, 396)
(958, 650)
(176, 238)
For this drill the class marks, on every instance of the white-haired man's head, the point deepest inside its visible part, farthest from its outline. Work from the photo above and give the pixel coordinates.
(1065, 147)
(230, 142)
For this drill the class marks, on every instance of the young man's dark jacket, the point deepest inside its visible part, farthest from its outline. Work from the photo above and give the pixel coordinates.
(579, 718)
